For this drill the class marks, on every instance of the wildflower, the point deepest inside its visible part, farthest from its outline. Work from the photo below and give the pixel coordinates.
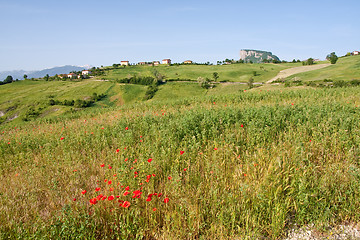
(126, 128)
(111, 189)
(166, 200)
(181, 152)
(242, 125)
(102, 165)
(148, 199)
(160, 194)
(215, 149)
(111, 198)
(103, 198)
(154, 209)
(153, 175)
(149, 160)
(185, 169)
(109, 182)
(127, 188)
(126, 193)
(110, 167)
(93, 201)
(137, 194)
(74, 199)
(83, 192)
(126, 204)
(169, 177)
(105, 180)
(62, 138)
(97, 189)
(117, 150)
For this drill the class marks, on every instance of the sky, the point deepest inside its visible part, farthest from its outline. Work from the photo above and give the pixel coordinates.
(40, 34)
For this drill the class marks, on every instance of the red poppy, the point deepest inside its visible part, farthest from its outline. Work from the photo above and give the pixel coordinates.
(137, 194)
(93, 201)
(109, 182)
(117, 150)
(154, 209)
(242, 125)
(149, 160)
(148, 199)
(99, 197)
(215, 149)
(185, 169)
(159, 194)
(126, 204)
(126, 128)
(83, 192)
(105, 180)
(153, 175)
(103, 198)
(111, 189)
(110, 167)
(181, 152)
(97, 189)
(102, 165)
(126, 193)
(111, 198)
(166, 200)
(62, 138)
(74, 199)
(127, 188)
(169, 177)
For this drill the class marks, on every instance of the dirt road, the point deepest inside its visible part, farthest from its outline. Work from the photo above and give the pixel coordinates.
(291, 71)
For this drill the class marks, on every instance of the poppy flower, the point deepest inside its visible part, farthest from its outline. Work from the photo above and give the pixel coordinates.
(166, 200)
(185, 169)
(111, 189)
(83, 192)
(99, 197)
(148, 199)
(109, 182)
(102, 165)
(127, 188)
(153, 175)
(181, 152)
(154, 209)
(105, 180)
(149, 160)
(74, 199)
(97, 189)
(62, 138)
(215, 149)
(93, 201)
(160, 194)
(117, 150)
(126, 128)
(242, 125)
(126, 204)
(126, 193)
(169, 177)
(111, 198)
(110, 167)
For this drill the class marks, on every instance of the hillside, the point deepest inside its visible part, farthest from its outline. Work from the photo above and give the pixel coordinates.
(231, 73)
(257, 56)
(346, 68)
(242, 165)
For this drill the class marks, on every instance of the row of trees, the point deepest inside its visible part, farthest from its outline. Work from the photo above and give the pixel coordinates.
(78, 103)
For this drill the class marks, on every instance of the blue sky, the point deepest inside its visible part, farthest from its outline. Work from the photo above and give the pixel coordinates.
(41, 34)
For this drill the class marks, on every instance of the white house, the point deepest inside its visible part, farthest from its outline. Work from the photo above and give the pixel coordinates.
(124, 63)
(156, 63)
(355, 53)
(166, 61)
(85, 72)
(72, 75)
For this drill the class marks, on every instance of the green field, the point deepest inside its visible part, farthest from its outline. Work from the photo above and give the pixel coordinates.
(191, 163)
(232, 73)
(346, 68)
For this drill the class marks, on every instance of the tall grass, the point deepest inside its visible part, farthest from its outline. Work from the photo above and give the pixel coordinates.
(247, 165)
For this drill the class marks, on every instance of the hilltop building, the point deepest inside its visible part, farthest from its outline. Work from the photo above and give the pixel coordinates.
(124, 63)
(156, 63)
(188, 62)
(166, 61)
(355, 53)
(85, 72)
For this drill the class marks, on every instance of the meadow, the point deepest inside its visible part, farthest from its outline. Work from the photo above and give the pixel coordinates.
(188, 164)
(346, 69)
(231, 73)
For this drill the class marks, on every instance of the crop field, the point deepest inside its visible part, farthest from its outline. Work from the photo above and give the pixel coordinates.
(217, 164)
(231, 73)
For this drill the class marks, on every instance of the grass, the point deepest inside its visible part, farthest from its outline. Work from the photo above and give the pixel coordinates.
(232, 73)
(346, 68)
(239, 165)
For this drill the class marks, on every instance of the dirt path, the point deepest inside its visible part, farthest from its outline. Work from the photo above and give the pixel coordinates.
(291, 71)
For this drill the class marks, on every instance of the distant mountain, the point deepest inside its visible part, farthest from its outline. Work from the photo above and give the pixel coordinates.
(19, 74)
(256, 56)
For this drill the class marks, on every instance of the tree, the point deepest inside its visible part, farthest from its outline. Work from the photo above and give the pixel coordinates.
(215, 76)
(46, 77)
(8, 79)
(310, 61)
(25, 76)
(332, 58)
(250, 83)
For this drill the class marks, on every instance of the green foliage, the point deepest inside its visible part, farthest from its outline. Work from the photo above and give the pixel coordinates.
(332, 58)
(150, 92)
(250, 83)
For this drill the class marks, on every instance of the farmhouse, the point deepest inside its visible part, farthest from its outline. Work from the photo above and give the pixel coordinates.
(72, 75)
(188, 62)
(166, 61)
(142, 63)
(124, 63)
(85, 72)
(156, 63)
(355, 53)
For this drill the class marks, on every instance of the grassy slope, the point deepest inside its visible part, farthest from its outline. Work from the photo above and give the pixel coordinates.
(234, 72)
(251, 169)
(346, 68)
